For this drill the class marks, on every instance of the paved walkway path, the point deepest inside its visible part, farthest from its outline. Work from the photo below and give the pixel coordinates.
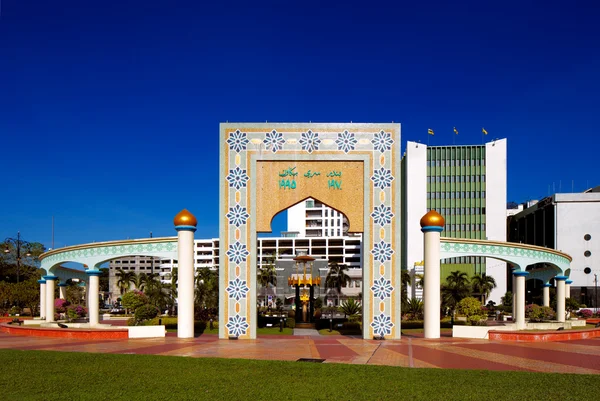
(306, 332)
(582, 356)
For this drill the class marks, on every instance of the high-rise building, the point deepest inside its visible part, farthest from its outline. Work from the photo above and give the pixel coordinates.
(568, 222)
(312, 218)
(467, 185)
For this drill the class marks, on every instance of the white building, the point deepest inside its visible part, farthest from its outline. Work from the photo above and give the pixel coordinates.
(568, 222)
(312, 218)
(466, 185)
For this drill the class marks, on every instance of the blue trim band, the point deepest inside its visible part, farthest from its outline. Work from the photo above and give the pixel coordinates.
(547, 285)
(50, 278)
(561, 278)
(569, 282)
(42, 281)
(432, 228)
(93, 272)
(185, 228)
(520, 273)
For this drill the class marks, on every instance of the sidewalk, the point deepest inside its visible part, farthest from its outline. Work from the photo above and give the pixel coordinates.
(582, 356)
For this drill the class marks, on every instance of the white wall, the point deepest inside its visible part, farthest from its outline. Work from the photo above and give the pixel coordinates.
(577, 215)
(296, 219)
(416, 200)
(495, 200)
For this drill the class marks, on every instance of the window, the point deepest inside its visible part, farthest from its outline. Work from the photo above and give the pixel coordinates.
(462, 227)
(587, 270)
(468, 178)
(437, 178)
(483, 178)
(482, 210)
(310, 203)
(587, 254)
(428, 163)
(587, 237)
(429, 179)
(482, 194)
(443, 163)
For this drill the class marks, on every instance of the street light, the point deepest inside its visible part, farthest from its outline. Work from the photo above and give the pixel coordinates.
(18, 243)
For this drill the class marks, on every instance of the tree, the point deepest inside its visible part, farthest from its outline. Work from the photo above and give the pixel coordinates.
(27, 294)
(104, 284)
(267, 275)
(124, 280)
(134, 299)
(471, 308)
(507, 299)
(337, 278)
(206, 294)
(455, 289)
(139, 280)
(27, 267)
(483, 285)
(157, 292)
(74, 293)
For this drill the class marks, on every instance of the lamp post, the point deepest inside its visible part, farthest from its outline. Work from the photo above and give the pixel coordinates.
(18, 243)
(596, 291)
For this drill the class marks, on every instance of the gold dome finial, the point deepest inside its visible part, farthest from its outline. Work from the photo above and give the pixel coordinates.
(432, 218)
(185, 218)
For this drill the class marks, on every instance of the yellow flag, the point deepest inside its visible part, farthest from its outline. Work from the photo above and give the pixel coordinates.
(430, 131)
(455, 131)
(484, 131)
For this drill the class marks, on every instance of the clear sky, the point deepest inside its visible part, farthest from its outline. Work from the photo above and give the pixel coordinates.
(110, 110)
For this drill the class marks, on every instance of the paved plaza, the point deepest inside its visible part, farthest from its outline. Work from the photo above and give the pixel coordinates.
(412, 351)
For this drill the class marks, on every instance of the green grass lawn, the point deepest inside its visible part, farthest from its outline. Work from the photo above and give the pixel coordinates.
(44, 375)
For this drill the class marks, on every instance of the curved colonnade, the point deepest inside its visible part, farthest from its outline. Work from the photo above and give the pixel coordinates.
(93, 255)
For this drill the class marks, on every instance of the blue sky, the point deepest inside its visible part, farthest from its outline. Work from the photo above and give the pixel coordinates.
(109, 109)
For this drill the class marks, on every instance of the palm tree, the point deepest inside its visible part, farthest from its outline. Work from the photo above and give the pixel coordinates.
(405, 280)
(337, 277)
(267, 275)
(125, 279)
(207, 288)
(482, 285)
(456, 288)
(139, 280)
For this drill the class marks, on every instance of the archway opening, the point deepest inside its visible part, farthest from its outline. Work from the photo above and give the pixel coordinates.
(309, 291)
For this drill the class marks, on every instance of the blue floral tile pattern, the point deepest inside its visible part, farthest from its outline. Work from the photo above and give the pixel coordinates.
(310, 141)
(382, 178)
(237, 178)
(237, 289)
(382, 325)
(382, 252)
(382, 288)
(237, 253)
(382, 141)
(346, 141)
(382, 215)
(237, 141)
(237, 325)
(274, 141)
(237, 215)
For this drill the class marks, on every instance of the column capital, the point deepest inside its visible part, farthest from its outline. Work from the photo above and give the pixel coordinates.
(185, 228)
(548, 285)
(569, 282)
(93, 272)
(50, 278)
(520, 273)
(561, 278)
(42, 281)
(62, 284)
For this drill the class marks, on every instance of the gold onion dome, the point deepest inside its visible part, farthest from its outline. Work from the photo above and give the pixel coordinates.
(432, 218)
(185, 218)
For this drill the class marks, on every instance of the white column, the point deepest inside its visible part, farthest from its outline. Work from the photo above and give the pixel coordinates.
(568, 288)
(514, 296)
(520, 298)
(432, 225)
(93, 291)
(62, 291)
(560, 297)
(50, 297)
(185, 224)
(42, 298)
(547, 294)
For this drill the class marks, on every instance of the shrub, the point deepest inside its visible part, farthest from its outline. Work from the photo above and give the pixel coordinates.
(291, 322)
(350, 307)
(146, 312)
(318, 313)
(134, 299)
(60, 305)
(351, 326)
(477, 320)
(586, 313)
(75, 312)
(536, 313)
(292, 314)
(471, 308)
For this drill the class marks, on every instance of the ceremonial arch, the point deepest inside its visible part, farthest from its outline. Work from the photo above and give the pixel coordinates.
(266, 168)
